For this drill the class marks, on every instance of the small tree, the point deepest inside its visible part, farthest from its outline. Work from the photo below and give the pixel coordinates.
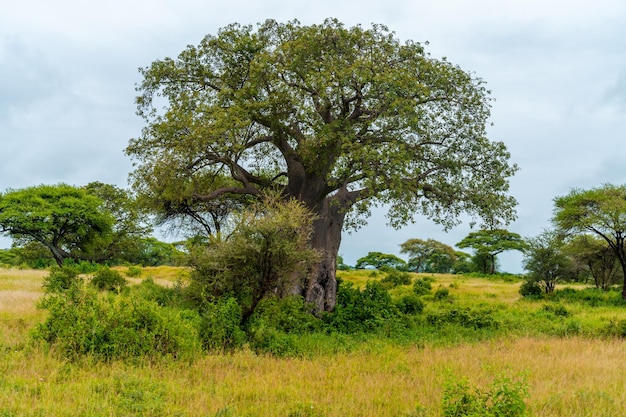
(490, 243)
(267, 253)
(545, 260)
(428, 255)
(379, 260)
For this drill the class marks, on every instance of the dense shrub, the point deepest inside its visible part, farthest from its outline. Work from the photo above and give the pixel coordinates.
(504, 398)
(61, 279)
(410, 304)
(422, 286)
(361, 311)
(288, 315)
(219, 326)
(441, 294)
(83, 267)
(106, 279)
(478, 317)
(556, 309)
(593, 297)
(394, 277)
(531, 289)
(133, 271)
(115, 327)
(164, 296)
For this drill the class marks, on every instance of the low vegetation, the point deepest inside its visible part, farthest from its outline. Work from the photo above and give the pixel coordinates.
(442, 345)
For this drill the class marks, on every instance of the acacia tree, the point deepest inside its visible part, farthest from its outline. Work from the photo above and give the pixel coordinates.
(429, 255)
(338, 118)
(600, 211)
(545, 260)
(596, 257)
(63, 218)
(489, 243)
(379, 260)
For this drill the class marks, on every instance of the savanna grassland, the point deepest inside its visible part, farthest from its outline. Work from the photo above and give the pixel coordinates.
(567, 350)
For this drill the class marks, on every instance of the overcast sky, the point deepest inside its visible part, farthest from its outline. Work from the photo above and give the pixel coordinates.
(557, 70)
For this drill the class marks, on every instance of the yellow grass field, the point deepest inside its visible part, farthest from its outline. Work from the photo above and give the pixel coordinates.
(566, 376)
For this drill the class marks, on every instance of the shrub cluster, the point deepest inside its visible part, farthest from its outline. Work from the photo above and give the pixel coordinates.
(123, 326)
(480, 317)
(504, 398)
(106, 279)
(359, 311)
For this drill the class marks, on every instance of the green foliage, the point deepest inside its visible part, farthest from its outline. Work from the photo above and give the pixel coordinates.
(341, 266)
(394, 278)
(598, 211)
(504, 398)
(429, 255)
(474, 317)
(80, 323)
(556, 310)
(380, 260)
(219, 327)
(65, 219)
(133, 271)
(269, 340)
(361, 311)
(106, 279)
(267, 253)
(490, 242)
(410, 304)
(592, 255)
(174, 296)
(591, 297)
(441, 293)
(530, 288)
(127, 239)
(422, 286)
(339, 118)
(545, 260)
(290, 315)
(151, 252)
(61, 279)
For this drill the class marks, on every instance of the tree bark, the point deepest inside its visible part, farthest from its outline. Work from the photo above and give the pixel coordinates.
(321, 288)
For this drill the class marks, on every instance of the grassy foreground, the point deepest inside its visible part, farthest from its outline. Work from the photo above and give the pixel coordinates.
(567, 375)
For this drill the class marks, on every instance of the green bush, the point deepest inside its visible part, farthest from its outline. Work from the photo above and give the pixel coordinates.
(422, 286)
(531, 289)
(269, 340)
(441, 294)
(83, 267)
(290, 315)
(163, 296)
(394, 278)
(134, 271)
(361, 311)
(556, 309)
(410, 304)
(479, 317)
(106, 279)
(80, 323)
(504, 398)
(219, 326)
(61, 279)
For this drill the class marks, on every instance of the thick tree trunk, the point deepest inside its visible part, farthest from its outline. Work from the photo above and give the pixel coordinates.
(321, 287)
